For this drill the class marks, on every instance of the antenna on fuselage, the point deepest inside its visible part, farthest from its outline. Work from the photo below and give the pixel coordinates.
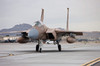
(42, 15)
(67, 26)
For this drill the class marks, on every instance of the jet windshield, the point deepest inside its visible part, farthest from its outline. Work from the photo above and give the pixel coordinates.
(38, 23)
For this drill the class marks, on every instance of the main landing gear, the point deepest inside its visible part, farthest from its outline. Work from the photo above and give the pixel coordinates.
(39, 46)
(59, 46)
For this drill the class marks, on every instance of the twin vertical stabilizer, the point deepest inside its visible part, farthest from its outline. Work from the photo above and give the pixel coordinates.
(67, 26)
(42, 15)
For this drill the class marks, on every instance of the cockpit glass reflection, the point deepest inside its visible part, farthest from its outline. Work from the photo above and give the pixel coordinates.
(37, 23)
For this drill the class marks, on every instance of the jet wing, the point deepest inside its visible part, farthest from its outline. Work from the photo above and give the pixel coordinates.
(14, 32)
(66, 33)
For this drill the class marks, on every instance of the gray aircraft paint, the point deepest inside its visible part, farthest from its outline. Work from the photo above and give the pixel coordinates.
(33, 33)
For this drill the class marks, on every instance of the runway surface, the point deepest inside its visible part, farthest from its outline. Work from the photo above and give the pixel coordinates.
(77, 54)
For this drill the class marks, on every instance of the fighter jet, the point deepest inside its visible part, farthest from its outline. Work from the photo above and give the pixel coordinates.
(41, 32)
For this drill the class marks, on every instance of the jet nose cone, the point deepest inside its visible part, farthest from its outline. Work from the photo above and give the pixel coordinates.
(33, 33)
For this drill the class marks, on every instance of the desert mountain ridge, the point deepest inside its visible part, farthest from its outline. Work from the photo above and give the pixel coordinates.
(19, 27)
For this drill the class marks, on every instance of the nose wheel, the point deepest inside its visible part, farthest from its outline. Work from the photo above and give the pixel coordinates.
(39, 46)
(38, 49)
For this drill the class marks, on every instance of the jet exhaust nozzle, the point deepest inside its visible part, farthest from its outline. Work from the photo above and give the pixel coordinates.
(23, 40)
(71, 40)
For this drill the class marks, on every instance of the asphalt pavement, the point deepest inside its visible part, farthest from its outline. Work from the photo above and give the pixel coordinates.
(77, 54)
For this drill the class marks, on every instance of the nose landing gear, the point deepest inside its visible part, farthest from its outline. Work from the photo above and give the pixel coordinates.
(39, 46)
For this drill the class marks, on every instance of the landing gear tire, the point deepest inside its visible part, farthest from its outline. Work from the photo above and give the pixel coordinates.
(37, 48)
(59, 47)
(40, 50)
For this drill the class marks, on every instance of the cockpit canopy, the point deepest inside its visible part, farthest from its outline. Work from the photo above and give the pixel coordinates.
(37, 23)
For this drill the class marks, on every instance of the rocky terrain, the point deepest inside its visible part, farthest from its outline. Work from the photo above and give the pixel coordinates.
(20, 27)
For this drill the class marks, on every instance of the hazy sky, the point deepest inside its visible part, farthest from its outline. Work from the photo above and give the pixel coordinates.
(84, 14)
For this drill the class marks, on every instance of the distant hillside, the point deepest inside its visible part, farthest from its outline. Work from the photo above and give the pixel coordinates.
(90, 35)
(20, 27)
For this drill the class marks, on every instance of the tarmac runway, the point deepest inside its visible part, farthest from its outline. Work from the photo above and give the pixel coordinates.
(77, 54)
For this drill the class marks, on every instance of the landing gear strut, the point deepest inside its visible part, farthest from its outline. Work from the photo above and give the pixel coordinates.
(40, 50)
(39, 46)
(59, 46)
